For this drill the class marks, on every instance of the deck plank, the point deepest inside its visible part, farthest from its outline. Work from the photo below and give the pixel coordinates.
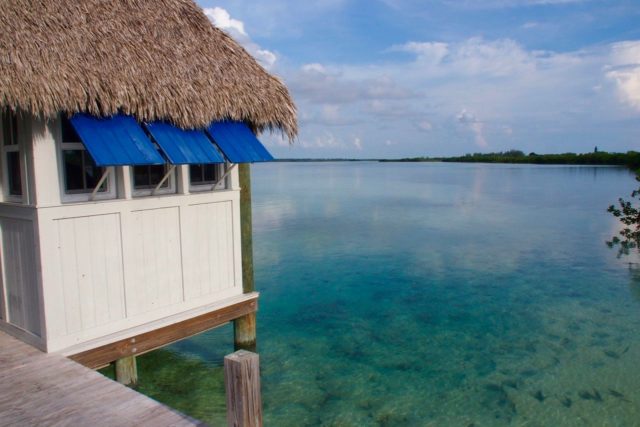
(50, 390)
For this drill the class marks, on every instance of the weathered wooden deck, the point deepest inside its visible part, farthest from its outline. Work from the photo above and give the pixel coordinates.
(48, 389)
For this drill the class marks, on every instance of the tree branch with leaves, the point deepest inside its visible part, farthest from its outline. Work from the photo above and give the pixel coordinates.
(628, 238)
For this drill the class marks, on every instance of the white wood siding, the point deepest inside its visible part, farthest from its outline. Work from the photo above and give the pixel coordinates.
(112, 265)
(155, 261)
(209, 249)
(19, 274)
(90, 257)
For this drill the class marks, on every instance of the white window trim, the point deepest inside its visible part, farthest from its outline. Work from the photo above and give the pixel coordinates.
(208, 186)
(111, 192)
(16, 147)
(145, 192)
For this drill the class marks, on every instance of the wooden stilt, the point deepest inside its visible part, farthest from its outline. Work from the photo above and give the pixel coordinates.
(127, 371)
(246, 230)
(245, 327)
(244, 332)
(242, 385)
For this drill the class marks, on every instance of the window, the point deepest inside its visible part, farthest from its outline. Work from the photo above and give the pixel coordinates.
(147, 178)
(202, 177)
(80, 173)
(11, 157)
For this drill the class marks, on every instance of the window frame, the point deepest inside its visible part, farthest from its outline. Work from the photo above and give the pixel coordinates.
(15, 147)
(171, 187)
(79, 195)
(220, 170)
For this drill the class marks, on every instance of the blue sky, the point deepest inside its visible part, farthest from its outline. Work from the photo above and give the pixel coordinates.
(404, 78)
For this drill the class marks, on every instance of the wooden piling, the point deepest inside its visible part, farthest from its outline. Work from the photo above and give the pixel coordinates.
(242, 385)
(245, 327)
(246, 230)
(127, 371)
(244, 332)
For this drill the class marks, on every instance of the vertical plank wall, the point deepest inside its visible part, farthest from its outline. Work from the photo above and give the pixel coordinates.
(114, 265)
(90, 259)
(155, 260)
(209, 249)
(19, 274)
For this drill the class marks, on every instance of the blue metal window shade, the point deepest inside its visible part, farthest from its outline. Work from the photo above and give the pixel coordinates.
(238, 143)
(115, 141)
(184, 147)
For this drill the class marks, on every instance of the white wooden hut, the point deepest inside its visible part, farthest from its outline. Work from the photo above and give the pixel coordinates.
(122, 123)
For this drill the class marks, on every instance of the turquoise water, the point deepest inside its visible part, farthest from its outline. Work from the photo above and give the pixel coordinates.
(397, 294)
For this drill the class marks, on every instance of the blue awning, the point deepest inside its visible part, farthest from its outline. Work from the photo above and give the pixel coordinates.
(116, 141)
(184, 147)
(238, 143)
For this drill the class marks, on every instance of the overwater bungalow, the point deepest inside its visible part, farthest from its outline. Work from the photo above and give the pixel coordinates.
(120, 204)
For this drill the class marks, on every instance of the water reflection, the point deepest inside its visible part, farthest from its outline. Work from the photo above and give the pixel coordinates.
(634, 283)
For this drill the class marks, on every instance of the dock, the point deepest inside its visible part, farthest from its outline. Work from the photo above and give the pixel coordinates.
(47, 389)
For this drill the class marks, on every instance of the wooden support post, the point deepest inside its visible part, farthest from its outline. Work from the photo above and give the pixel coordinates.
(246, 230)
(244, 332)
(245, 327)
(127, 371)
(242, 385)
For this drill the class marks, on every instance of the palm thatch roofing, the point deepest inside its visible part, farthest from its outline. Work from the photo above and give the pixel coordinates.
(154, 59)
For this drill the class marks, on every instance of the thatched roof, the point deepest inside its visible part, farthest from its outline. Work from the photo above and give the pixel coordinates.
(154, 59)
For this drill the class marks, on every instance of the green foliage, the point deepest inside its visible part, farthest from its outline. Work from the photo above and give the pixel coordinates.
(629, 215)
(630, 159)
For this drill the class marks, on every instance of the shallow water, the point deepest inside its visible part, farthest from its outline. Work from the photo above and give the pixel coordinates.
(398, 294)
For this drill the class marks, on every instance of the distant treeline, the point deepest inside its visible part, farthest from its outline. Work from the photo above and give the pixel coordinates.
(630, 158)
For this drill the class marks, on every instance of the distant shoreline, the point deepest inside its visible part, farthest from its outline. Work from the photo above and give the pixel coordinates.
(630, 159)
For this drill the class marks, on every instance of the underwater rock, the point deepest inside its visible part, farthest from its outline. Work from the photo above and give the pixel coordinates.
(539, 396)
(497, 400)
(389, 418)
(590, 395)
(510, 383)
(619, 395)
(527, 373)
(612, 354)
(566, 402)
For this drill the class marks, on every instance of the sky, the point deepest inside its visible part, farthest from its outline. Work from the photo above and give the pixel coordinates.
(407, 78)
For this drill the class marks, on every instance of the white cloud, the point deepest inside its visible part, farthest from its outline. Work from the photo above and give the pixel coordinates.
(530, 25)
(424, 125)
(357, 142)
(474, 56)
(314, 68)
(431, 52)
(465, 117)
(325, 139)
(331, 112)
(624, 71)
(223, 20)
(476, 126)
(498, 93)
(321, 84)
(494, 4)
(265, 57)
(275, 139)
(502, 57)
(235, 28)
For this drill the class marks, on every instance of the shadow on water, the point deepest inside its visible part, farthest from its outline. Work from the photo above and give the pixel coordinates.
(182, 382)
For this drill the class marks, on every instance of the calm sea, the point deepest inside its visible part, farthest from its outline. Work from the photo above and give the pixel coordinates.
(412, 294)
